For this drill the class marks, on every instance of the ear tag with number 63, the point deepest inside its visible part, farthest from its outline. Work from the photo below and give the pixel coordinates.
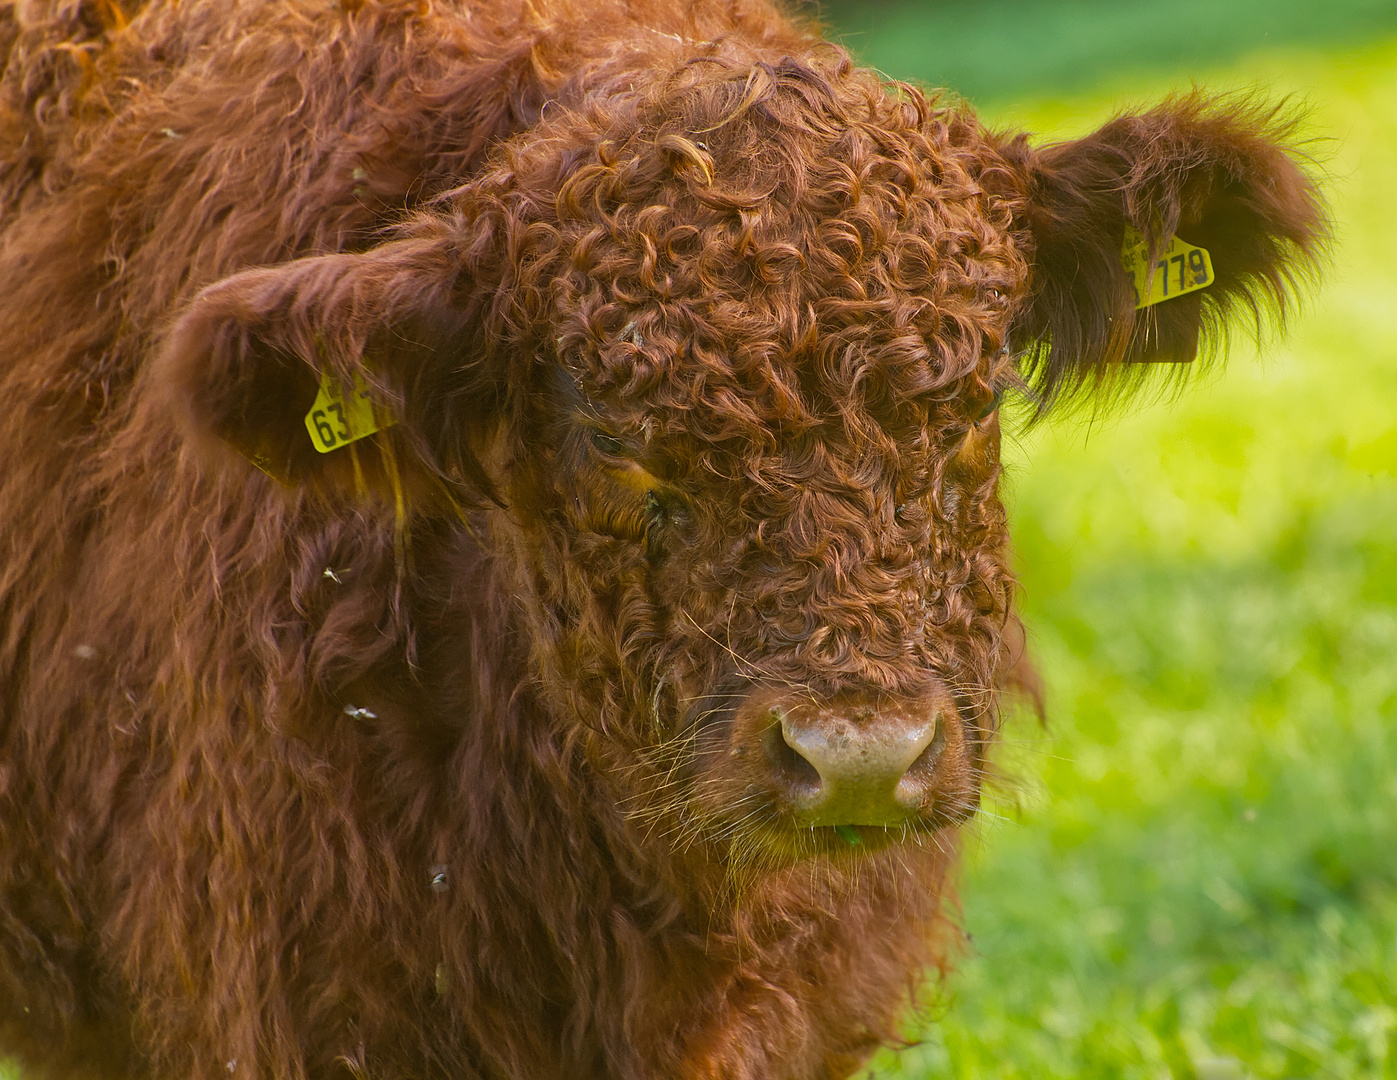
(1178, 268)
(337, 418)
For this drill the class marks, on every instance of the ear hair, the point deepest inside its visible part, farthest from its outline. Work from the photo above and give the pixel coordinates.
(242, 364)
(1221, 173)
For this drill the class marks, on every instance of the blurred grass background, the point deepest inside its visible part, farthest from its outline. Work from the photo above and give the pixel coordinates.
(1198, 878)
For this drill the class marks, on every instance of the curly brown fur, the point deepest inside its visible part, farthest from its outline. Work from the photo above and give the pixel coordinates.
(419, 759)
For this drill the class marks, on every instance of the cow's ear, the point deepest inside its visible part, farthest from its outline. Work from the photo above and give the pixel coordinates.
(1219, 174)
(380, 338)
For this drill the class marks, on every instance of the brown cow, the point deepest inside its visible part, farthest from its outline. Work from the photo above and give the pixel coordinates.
(610, 711)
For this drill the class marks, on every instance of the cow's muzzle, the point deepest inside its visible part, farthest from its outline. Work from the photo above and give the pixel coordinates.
(856, 759)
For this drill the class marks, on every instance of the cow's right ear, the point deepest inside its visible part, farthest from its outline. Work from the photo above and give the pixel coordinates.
(245, 361)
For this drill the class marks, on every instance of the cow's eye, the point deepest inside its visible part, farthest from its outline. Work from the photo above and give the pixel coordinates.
(991, 405)
(612, 447)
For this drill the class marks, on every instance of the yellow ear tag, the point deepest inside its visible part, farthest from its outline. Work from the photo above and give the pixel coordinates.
(337, 419)
(1179, 268)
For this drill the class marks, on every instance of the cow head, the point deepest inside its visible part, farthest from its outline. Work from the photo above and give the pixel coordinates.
(718, 362)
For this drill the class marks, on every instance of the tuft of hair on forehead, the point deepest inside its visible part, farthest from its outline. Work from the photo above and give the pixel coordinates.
(756, 243)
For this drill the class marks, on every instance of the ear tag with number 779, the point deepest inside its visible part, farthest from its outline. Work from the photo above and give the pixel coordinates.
(337, 419)
(1178, 268)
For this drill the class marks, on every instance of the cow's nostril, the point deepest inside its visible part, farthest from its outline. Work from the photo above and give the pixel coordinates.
(926, 760)
(798, 772)
(919, 779)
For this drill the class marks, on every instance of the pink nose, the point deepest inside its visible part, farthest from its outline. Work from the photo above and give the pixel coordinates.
(848, 762)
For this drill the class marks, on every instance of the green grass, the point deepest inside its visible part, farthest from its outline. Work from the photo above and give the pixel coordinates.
(1199, 878)
(994, 50)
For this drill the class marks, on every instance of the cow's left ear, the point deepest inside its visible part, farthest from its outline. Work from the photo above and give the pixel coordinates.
(379, 338)
(1217, 173)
